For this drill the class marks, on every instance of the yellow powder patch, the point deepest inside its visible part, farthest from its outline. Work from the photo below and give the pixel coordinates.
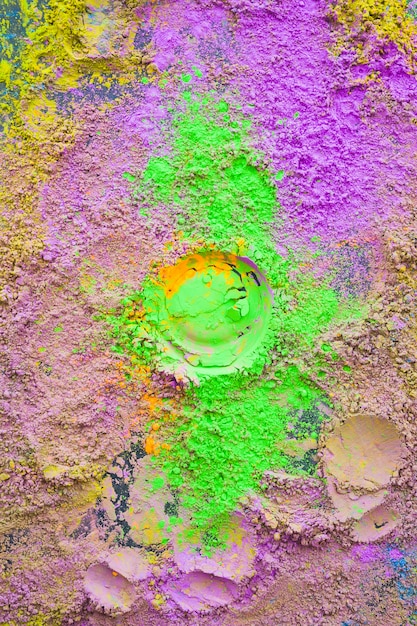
(38, 114)
(5, 72)
(387, 18)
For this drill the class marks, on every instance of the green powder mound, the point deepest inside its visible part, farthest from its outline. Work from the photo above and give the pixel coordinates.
(206, 315)
(301, 310)
(211, 181)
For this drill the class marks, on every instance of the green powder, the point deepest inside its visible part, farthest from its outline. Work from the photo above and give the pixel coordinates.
(233, 430)
(211, 179)
(301, 311)
(207, 316)
(236, 426)
(232, 427)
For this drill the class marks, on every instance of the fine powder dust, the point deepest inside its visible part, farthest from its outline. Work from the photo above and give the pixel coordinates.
(208, 256)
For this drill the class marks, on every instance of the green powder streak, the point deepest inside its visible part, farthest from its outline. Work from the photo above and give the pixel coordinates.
(231, 427)
(231, 434)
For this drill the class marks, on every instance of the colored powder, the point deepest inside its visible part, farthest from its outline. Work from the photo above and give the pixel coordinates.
(62, 47)
(230, 434)
(207, 313)
(301, 310)
(55, 48)
(211, 178)
(232, 425)
(407, 592)
(331, 169)
(388, 20)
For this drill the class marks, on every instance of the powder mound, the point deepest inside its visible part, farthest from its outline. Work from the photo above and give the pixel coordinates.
(199, 591)
(208, 314)
(360, 457)
(363, 452)
(108, 589)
